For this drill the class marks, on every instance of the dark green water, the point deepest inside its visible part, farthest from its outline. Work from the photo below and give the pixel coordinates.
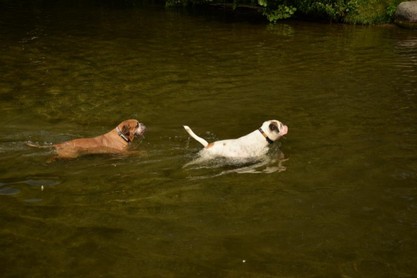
(343, 204)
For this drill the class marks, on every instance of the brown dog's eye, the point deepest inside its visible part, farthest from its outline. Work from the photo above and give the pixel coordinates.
(273, 127)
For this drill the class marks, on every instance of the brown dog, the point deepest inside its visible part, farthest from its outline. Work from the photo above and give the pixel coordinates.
(114, 141)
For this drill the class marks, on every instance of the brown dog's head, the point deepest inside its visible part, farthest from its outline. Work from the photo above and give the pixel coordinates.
(130, 128)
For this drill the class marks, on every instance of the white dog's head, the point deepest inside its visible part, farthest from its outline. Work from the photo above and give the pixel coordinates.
(274, 129)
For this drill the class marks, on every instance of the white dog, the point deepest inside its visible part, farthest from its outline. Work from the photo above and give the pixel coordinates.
(252, 145)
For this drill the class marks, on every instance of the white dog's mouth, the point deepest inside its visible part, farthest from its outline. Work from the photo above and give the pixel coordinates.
(283, 129)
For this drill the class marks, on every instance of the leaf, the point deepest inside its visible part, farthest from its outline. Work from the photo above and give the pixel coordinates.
(263, 3)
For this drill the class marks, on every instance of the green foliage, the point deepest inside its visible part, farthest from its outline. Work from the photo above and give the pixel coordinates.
(278, 13)
(331, 9)
(275, 10)
(350, 11)
(263, 3)
(392, 7)
(373, 12)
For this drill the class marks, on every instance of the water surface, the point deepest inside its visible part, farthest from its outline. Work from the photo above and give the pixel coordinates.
(340, 200)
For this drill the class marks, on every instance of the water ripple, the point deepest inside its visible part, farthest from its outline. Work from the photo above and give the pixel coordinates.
(15, 187)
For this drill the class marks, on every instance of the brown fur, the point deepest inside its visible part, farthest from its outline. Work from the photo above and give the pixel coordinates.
(111, 142)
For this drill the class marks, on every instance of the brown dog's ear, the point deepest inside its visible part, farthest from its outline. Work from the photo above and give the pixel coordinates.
(132, 132)
(129, 131)
(126, 131)
(273, 126)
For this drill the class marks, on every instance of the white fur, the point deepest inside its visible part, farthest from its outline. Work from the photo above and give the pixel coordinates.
(251, 145)
(199, 139)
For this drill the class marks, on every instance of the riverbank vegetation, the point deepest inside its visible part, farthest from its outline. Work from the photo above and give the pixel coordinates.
(345, 11)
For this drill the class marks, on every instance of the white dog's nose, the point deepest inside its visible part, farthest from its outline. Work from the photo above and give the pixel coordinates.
(283, 130)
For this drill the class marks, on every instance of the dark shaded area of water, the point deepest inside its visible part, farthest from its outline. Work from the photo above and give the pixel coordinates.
(342, 205)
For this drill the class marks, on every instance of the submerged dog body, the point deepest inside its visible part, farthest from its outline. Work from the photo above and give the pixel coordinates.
(114, 141)
(252, 145)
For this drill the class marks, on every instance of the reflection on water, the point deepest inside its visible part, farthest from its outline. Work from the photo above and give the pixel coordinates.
(340, 203)
(267, 164)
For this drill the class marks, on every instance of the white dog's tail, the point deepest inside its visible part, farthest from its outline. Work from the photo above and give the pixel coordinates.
(192, 134)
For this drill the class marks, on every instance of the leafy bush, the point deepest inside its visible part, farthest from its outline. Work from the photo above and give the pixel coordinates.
(373, 11)
(351, 11)
(331, 9)
(276, 10)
